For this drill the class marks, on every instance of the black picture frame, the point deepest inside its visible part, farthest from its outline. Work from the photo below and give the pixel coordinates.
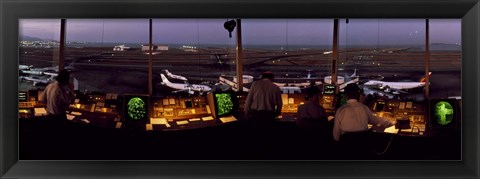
(12, 10)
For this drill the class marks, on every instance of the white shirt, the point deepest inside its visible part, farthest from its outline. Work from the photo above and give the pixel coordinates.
(355, 117)
(57, 98)
(264, 95)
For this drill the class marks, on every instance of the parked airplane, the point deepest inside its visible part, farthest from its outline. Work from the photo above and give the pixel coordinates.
(36, 80)
(38, 73)
(307, 81)
(31, 72)
(54, 68)
(302, 85)
(24, 67)
(285, 89)
(190, 88)
(369, 91)
(396, 87)
(178, 77)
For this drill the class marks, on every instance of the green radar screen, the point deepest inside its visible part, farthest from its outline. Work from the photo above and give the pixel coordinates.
(224, 103)
(136, 108)
(444, 112)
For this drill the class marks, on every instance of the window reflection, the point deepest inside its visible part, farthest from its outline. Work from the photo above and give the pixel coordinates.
(108, 54)
(445, 58)
(295, 50)
(198, 52)
(38, 49)
(111, 55)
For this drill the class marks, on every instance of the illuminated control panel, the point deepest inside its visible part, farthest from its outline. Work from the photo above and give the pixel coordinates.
(411, 115)
(328, 101)
(179, 107)
(291, 102)
(97, 102)
(26, 104)
(27, 101)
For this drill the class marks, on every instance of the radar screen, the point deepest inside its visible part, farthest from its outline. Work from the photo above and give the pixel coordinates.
(135, 107)
(444, 113)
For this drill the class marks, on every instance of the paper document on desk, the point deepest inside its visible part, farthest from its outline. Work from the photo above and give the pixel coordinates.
(194, 119)
(228, 119)
(40, 111)
(70, 117)
(158, 120)
(149, 127)
(85, 120)
(118, 125)
(75, 113)
(391, 130)
(182, 122)
(208, 118)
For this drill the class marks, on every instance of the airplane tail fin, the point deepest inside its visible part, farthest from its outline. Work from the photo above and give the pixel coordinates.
(164, 79)
(71, 64)
(424, 79)
(354, 73)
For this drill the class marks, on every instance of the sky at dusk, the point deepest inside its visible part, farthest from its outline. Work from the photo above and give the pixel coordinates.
(283, 32)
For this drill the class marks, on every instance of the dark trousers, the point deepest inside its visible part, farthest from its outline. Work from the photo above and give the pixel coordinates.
(55, 122)
(356, 145)
(262, 133)
(262, 119)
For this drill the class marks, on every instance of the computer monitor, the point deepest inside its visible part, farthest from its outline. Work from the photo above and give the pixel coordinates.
(188, 104)
(136, 107)
(329, 89)
(378, 106)
(444, 113)
(22, 96)
(225, 103)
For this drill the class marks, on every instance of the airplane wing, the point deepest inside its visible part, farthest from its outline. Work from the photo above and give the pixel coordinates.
(182, 90)
(374, 86)
(398, 91)
(367, 90)
(189, 91)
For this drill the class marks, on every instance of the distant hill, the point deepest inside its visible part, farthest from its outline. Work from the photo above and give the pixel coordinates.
(438, 47)
(29, 38)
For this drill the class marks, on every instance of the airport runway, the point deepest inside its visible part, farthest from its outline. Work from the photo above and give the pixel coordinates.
(127, 73)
